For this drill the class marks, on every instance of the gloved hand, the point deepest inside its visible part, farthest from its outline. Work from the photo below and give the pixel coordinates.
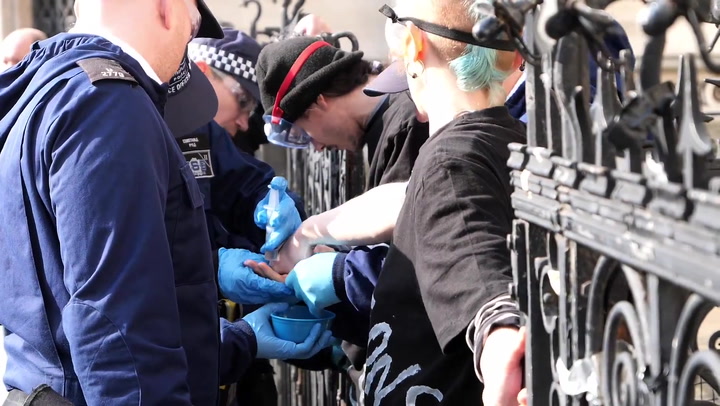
(312, 282)
(271, 347)
(285, 220)
(240, 284)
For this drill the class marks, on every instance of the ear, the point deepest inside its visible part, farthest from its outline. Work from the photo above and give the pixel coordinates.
(165, 10)
(204, 67)
(413, 44)
(76, 9)
(321, 102)
(518, 61)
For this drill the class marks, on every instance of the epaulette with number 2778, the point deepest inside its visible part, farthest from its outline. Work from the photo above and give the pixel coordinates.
(105, 69)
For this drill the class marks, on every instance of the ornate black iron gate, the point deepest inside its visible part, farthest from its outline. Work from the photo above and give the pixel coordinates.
(616, 250)
(53, 16)
(325, 180)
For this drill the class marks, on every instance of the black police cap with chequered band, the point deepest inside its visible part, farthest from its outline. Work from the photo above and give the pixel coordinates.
(236, 55)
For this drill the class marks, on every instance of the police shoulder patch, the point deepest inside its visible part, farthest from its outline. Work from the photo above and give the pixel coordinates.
(105, 69)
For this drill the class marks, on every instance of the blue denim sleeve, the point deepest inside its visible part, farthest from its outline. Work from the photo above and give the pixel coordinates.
(355, 275)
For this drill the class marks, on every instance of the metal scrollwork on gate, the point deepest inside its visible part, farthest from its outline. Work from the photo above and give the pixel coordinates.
(53, 16)
(616, 249)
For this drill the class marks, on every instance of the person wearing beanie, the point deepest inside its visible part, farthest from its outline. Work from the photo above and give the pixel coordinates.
(232, 182)
(312, 94)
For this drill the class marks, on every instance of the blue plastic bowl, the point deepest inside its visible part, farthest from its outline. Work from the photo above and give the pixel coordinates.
(295, 323)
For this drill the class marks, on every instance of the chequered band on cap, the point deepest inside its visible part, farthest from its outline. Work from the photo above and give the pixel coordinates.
(227, 62)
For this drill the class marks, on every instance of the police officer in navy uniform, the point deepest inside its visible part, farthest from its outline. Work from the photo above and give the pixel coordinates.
(108, 285)
(232, 182)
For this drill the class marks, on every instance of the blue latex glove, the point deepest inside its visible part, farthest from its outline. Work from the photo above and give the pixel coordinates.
(271, 347)
(241, 285)
(285, 220)
(312, 282)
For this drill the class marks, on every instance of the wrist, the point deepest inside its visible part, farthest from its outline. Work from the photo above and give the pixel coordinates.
(308, 234)
(498, 337)
(247, 329)
(329, 294)
(338, 277)
(499, 333)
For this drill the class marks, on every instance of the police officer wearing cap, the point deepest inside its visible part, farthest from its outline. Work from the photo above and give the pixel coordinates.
(219, 83)
(109, 290)
(232, 182)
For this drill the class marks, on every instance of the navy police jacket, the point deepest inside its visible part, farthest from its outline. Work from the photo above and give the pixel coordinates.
(108, 288)
(232, 183)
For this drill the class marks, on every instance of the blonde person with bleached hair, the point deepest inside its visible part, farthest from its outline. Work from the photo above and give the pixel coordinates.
(448, 267)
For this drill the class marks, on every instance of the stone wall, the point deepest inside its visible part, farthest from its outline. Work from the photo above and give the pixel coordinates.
(15, 14)
(359, 17)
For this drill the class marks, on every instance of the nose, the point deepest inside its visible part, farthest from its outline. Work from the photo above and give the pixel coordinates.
(318, 146)
(241, 123)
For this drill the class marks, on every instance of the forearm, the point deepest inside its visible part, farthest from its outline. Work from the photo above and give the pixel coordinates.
(365, 220)
(355, 276)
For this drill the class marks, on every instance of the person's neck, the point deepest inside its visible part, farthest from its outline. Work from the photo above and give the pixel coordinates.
(127, 40)
(455, 102)
(511, 81)
(363, 106)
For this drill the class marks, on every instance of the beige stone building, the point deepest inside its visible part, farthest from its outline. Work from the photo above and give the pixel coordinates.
(363, 19)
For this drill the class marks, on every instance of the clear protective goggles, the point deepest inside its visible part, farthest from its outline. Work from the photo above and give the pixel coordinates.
(285, 133)
(278, 130)
(245, 101)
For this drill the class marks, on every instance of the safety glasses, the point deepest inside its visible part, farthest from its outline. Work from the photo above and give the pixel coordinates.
(244, 100)
(278, 130)
(441, 31)
(285, 133)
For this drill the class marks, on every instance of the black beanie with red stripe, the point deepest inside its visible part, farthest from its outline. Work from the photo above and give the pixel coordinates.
(313, 77)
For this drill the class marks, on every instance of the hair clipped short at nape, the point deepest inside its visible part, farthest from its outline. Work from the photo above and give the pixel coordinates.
(476, 67)
(348, 80)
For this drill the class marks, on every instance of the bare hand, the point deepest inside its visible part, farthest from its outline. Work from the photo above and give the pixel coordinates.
(522, 397)
(265, 271)
(293, 251)
(322, 248)
(501, 367)
(311, 25)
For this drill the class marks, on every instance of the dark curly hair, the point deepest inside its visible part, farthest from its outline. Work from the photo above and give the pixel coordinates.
(349, 80)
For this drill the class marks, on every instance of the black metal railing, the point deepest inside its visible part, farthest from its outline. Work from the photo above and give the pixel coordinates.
(616, 246)
(325, 180)
(53, 16)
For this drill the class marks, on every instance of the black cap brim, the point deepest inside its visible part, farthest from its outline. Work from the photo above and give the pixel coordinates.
(209, 26)
(391, 80)
(193, 107)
